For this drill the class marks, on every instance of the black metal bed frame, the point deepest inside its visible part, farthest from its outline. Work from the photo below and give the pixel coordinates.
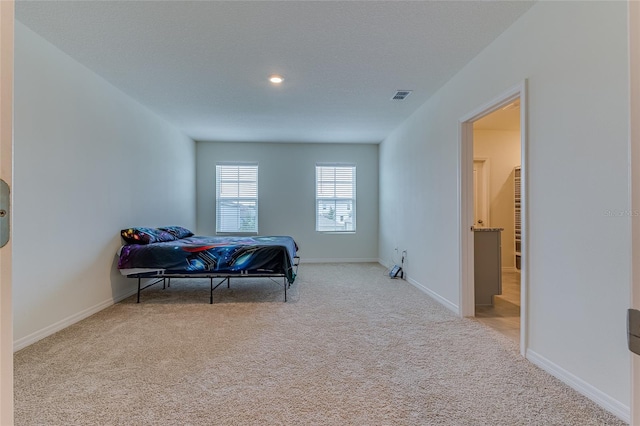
(166, 278)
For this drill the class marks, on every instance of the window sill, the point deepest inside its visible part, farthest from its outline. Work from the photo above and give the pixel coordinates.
(240, 234)
(337, 232)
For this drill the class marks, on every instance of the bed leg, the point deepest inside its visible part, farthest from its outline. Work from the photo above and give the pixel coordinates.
(228, 282)
(169, 282)
(138, 290)
(285, 288)
(211, 298)
(164, 283)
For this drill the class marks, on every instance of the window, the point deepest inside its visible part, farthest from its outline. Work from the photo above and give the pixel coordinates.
(335, 197)
(237, 197)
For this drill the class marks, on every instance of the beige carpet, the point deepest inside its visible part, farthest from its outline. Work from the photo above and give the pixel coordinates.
(351, 347)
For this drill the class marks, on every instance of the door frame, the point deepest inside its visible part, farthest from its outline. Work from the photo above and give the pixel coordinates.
(7, 11)
(634, 143)
(465, 212)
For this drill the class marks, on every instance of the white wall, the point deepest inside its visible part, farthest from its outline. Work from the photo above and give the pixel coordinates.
(502, 150)
(286, 191)
(89, 161)
(574, 56)
(634, 49)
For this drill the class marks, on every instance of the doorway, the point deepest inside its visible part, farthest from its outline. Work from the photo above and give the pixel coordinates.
(496, 139)
(512, 102)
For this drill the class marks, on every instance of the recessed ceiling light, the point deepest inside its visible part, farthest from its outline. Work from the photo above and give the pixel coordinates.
(276, 79)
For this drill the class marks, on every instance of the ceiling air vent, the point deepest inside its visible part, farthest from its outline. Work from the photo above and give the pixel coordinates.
(401, 95)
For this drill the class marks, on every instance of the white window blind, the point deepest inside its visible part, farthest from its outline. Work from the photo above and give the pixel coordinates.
(237, 197)
(335, 197)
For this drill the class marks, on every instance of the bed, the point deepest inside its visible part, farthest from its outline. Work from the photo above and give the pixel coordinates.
(174, 252)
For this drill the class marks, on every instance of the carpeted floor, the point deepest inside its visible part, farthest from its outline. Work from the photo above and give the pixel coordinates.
(351, 347)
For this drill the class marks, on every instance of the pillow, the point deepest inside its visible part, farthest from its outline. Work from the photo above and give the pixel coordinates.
(145, 235)
(177, 231)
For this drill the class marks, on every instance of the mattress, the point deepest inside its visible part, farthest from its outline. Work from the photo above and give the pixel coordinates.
(219, 255)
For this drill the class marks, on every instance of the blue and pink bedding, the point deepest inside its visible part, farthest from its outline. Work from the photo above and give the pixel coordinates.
(213, 255)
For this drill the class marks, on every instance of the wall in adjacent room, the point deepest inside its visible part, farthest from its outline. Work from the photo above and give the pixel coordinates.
(574, 57)
(286, 191)
(502, 150)
(89, 161)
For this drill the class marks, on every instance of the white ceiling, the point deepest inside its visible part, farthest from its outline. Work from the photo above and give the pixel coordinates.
(203, 65)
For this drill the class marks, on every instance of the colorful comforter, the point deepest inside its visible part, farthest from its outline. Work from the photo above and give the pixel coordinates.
(214, 255)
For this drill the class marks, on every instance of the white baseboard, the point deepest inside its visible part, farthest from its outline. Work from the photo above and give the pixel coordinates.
(339, 260)
(610, 404)
(446, 303)
(387, 264)
(54, 328)
(383, 263)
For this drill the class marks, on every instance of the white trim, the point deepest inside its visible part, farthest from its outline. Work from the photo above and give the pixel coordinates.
(524, 220)
(444, 302)
(634, 189)
(465, 216)
(384, 263)
(607, 402)
(62, 324)
(465, 198)
(7, 14)
(340, 260)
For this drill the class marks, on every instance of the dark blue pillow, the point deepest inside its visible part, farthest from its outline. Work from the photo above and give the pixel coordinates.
(142, 235)
(177, 231)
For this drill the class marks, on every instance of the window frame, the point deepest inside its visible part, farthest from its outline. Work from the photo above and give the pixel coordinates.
(335, 198)
(238, 199)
